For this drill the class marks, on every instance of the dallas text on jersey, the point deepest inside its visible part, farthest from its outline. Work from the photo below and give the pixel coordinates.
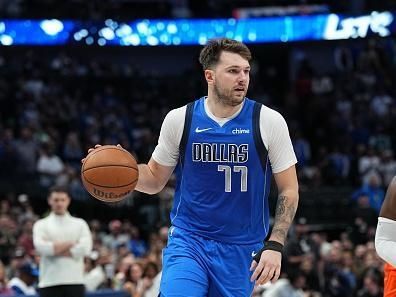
(220, 152)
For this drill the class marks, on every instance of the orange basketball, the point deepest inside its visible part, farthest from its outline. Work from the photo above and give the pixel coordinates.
(109, 173)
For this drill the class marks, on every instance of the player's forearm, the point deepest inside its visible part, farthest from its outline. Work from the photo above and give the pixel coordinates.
(286, 208)
(147, 183)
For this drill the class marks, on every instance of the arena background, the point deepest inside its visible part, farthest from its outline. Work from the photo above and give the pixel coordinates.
(66, 84)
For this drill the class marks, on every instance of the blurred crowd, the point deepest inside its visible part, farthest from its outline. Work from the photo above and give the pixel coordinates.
(343, 131)
(57, 108)
(60, 105)
(315, 263)
(121, 259)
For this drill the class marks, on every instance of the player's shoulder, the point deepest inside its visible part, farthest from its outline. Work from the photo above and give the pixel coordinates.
(388, 208)
(393, 182)
(177, 112)
(176, 115)
(270, 114)
(181, 111)
(41, 222)
(78, 220)
(392, 188)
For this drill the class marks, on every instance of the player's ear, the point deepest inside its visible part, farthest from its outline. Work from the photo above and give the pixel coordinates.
(209, 76)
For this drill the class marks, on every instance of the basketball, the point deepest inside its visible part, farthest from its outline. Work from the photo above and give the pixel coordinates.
(109, 173)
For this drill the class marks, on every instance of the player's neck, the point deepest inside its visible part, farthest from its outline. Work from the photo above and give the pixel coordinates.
(221, 110)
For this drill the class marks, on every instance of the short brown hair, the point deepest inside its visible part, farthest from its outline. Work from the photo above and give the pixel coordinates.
(210, 54)
(58, 189)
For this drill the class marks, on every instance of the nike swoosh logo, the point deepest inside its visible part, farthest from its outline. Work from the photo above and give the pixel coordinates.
(197, 130)
(254, 254)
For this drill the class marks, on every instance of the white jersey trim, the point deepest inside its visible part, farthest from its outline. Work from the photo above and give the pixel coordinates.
(385, 240)
(273, 128)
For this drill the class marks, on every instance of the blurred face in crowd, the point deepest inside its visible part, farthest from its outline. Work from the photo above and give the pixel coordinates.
(371, 259)
(59, 202)
(136, 272)
(151, 270)
(347, 259)
(335, 253)
(360, 251)
(229, 78)
(307, 264)
(300, 282)
(30, 280)
(26, 133)
(370, 284)
(126, 262)
(2, 273)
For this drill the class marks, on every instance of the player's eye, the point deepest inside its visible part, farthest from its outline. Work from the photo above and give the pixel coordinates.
(232, 71)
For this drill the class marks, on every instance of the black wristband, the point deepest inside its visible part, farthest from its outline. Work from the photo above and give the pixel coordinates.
(268, 245)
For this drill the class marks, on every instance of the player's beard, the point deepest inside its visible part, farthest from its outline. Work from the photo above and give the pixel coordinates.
(228, 97)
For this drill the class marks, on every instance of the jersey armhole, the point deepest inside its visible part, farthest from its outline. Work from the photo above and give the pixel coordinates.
(258, 140)
(186, 132)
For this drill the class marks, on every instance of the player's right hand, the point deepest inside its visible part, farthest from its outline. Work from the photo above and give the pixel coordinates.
(96, 146)
(268, 268)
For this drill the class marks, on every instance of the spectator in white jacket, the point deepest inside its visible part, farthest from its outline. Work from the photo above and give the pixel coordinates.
(62, 241)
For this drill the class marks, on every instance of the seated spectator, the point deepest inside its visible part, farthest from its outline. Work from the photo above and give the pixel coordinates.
(137, 246)
(95, 274)
(23, 284)
(287, 287)
(387, 166)
(152, 291)
(134, 284)
(150, 280)
(122, 269)
(308, 269)
(25, 240)
(373, 190)
(27, 151)
(4, 289)
(72, 150)
(8, 229)
(372, 285)
(363, 210)
(368, 165)
(299, 246)
(116, 237)
(49, 165)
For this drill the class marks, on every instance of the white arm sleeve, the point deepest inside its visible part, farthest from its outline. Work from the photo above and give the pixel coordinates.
(276, 138)
(84, 245)
(385, 240)
(273, 129)
(167, 150)
(42, 246)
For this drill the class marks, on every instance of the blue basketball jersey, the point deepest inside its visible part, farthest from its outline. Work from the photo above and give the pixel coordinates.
(223, 177)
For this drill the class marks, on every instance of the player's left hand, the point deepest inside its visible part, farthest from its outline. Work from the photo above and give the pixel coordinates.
(268, 269)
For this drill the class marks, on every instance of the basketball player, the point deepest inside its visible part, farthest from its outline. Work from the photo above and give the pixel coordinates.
(224, 148)
(385, 238)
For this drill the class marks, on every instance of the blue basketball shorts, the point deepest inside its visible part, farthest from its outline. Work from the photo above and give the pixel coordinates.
(197, 267)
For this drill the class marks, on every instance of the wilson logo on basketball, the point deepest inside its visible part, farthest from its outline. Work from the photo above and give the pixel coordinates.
(108, 195)
(109, 173)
